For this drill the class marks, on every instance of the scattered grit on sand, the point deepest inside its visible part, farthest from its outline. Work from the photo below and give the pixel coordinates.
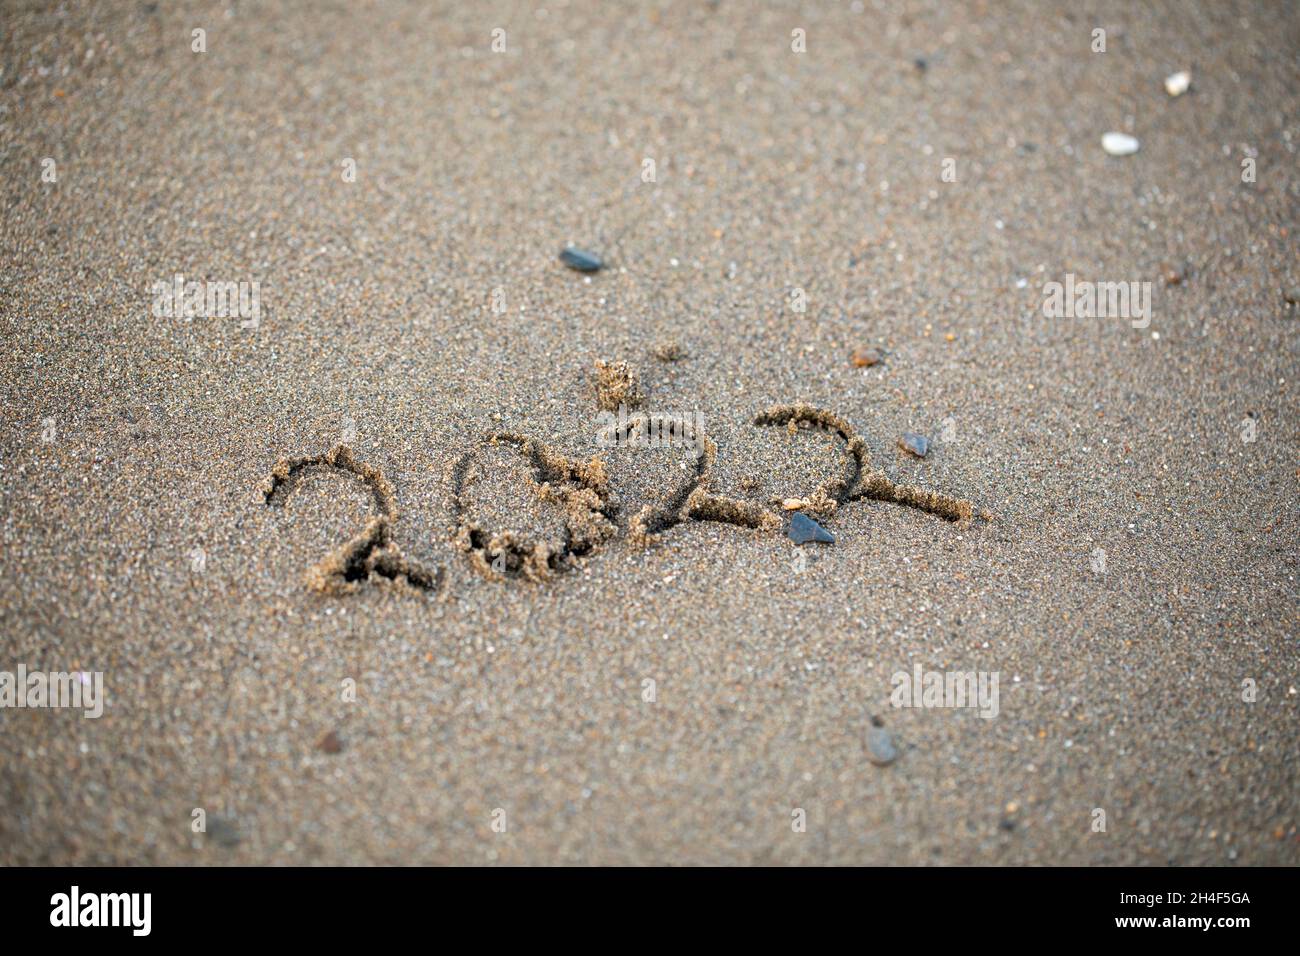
(363, 575)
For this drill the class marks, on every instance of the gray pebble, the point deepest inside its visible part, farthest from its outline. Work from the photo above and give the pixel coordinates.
(803, 529)
(918, 445)
(223, 832)
(880, 747)
(581, 260)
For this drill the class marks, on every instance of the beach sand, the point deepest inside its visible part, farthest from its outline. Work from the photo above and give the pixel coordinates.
(672, 692)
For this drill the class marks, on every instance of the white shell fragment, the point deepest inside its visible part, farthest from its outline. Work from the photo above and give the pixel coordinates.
(1176, 84)
(1119, 144)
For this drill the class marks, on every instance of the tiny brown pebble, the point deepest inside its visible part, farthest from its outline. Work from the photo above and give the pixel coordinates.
(865, 358)
(331, 743)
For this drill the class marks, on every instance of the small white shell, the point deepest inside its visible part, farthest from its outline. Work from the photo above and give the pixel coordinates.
(1119, 144)
(1176, 84)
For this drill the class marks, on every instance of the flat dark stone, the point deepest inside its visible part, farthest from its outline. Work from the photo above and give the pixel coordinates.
(581, 260)
(918, 445)
(803, 529)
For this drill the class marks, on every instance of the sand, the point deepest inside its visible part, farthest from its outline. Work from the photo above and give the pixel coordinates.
(670, 691)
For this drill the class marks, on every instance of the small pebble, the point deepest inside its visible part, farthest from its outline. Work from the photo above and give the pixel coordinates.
(1292, 296)
(581, 260)
(331, 743)
(1119, 144)
(670, 351)
(1176, 84)
(794, 504)
(223, 832)
(880, 747)
(865, 358)
(803, 529)
(918, 445)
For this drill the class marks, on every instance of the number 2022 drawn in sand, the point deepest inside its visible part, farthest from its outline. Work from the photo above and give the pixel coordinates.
(587, 513)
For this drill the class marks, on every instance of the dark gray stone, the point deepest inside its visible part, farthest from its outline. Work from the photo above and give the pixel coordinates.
(223, 832)
(803, 529)
(581, 260)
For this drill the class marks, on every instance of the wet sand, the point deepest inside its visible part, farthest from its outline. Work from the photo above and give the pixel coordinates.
(1135, 565)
